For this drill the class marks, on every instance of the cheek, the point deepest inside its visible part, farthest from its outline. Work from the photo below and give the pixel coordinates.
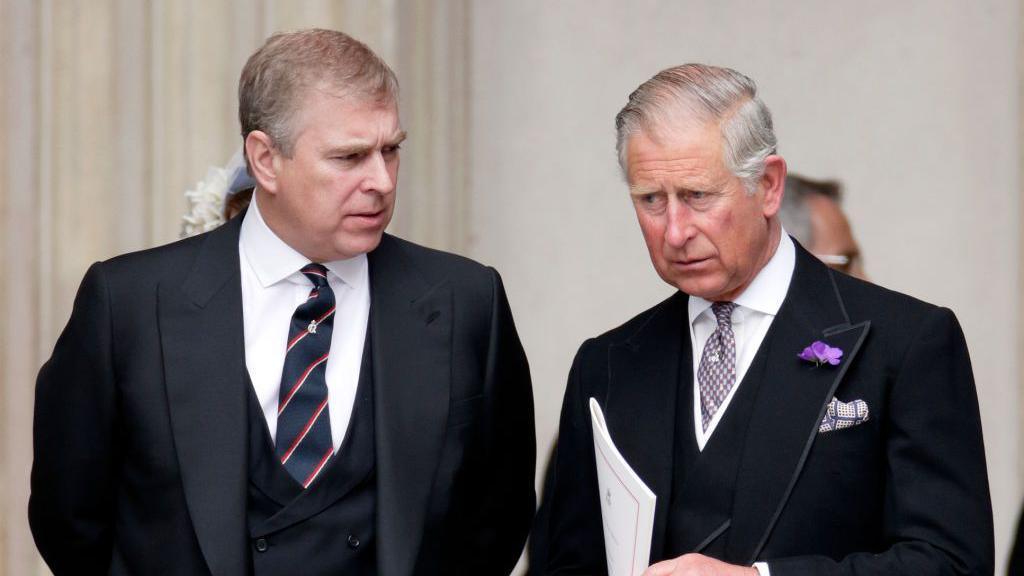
(320, 208)
(652, 229)
(393, 170)
(656, 251)
(725, 233)
(331, 194)
(743, 235)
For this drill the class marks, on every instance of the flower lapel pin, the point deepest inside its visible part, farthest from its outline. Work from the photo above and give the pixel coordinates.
(821, 353)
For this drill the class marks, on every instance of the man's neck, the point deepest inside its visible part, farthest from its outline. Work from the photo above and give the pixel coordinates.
(770, 247)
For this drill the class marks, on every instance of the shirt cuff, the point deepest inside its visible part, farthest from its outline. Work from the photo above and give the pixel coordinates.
(762, 569)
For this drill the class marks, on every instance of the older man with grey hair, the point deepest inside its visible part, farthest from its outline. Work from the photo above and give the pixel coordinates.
(790, 419)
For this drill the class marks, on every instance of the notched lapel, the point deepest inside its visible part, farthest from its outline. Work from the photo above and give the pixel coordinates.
(201, 333)
(411, 332)
(640, 407)
(790, 404)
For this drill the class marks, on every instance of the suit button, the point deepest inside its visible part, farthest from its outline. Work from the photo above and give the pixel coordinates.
(353, 542)
(261, 545)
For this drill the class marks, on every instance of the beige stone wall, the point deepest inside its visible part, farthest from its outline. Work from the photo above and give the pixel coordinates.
(21, 332)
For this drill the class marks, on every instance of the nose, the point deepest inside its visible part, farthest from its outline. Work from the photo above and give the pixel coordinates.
(679, 229)
(378, 176)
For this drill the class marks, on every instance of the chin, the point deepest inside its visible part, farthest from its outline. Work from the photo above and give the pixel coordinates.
(362, 245)
(698, 289)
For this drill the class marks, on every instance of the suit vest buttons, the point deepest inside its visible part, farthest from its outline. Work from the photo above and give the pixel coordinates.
(261, 544)
(353, 542)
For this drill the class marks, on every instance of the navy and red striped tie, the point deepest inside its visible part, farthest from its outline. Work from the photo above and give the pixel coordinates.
(304, 443)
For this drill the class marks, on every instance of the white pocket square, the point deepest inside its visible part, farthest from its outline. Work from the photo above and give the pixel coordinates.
(844, 415)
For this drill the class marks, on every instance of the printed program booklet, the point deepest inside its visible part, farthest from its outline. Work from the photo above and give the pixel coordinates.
(627, 504)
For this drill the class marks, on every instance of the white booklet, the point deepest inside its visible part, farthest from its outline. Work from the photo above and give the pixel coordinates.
(627, 504)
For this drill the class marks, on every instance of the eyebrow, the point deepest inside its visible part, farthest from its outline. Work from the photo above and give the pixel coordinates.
(642, 190)
(397, 139)
(636, 190)
(362, 146)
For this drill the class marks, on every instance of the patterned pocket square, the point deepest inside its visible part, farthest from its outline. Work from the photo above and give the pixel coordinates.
(843, 415)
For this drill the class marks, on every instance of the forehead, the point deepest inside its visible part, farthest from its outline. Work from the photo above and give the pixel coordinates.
(688, 152)
(324, 112)
(831, 228)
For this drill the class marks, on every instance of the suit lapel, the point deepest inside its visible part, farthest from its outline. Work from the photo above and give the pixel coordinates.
(790, 402)
(201, 332)
(640, 407)
(411, 331)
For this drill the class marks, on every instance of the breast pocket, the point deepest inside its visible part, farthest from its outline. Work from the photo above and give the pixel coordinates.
(852, 454)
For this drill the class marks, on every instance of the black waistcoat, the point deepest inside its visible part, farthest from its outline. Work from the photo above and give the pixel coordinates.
(327, 528)
(703, 482)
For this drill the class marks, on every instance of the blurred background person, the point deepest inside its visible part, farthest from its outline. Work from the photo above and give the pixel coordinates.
(812, 214)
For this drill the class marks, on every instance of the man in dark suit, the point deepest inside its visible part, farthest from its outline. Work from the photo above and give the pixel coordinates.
(295, 392)
(789, 418)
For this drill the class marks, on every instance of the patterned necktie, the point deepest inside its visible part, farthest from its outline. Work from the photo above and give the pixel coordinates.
(717, 371)
(304, 443)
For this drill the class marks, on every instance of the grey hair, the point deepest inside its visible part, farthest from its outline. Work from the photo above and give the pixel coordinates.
(795, 214)
(704, 93)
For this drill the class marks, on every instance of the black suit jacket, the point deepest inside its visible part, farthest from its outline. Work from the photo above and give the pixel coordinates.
(905, 493)
(140, 418)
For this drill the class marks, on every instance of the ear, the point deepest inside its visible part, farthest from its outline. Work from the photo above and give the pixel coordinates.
(773, 184)
(263, 160)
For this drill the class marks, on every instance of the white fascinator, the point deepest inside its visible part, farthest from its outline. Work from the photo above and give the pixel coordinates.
(206, 200)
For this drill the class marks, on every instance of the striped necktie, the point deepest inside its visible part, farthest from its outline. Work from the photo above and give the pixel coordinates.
(304, 443)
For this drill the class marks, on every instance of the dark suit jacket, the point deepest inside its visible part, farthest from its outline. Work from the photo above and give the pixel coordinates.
(1015, 565)
(905, 493)
(140, 418)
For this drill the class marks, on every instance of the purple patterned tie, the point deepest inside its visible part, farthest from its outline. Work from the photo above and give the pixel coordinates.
(304, 442)
(717, 371)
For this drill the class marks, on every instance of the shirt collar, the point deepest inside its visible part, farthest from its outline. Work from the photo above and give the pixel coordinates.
(768, 289)
(272, 260)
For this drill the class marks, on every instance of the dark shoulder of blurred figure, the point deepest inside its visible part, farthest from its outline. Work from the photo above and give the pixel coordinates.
(1016, 563)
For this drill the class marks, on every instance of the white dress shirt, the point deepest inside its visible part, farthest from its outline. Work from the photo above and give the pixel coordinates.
(755, 309)
(272, 288)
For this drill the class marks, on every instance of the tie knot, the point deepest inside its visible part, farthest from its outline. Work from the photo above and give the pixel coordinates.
(723, 313)
(316, 273)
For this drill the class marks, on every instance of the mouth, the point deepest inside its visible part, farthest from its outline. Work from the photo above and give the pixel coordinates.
(691, 263)
(368, 219)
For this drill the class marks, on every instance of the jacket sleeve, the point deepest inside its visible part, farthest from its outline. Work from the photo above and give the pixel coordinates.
(505, 501)
(568, 538)
(937, 516)
(71, 507)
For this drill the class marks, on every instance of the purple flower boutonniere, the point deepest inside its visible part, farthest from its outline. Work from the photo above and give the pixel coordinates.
(821, 353)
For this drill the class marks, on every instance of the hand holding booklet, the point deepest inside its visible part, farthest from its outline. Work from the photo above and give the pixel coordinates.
(627, 504)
